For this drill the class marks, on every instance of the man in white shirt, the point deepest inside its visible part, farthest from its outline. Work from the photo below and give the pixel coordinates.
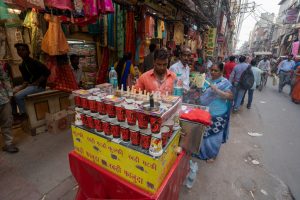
(264, 65)
(182, 67)
(77, 71)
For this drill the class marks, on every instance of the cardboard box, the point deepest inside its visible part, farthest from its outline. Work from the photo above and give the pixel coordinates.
(136, 167)
(58, 122)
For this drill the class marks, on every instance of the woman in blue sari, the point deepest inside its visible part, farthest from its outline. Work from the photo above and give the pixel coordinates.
(217, 95)
(126, 71)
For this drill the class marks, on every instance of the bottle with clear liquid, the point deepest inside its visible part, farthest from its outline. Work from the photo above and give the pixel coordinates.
(113, 78)
(178, 86)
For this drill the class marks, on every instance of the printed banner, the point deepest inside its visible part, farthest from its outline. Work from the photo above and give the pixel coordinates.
(211, 43)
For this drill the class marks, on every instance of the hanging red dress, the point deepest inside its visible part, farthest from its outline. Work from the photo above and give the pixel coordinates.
(102, 73)
(61, 77)
(130, 33)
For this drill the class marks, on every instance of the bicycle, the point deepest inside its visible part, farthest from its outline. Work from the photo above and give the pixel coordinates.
(263, 81)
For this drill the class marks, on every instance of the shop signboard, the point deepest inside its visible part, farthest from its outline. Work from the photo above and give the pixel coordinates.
(291, 16)
(211, 43)
(135, 167)
(221, 39)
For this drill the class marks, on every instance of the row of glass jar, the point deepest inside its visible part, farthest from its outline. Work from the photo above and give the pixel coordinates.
(123, 112)
(128, 133)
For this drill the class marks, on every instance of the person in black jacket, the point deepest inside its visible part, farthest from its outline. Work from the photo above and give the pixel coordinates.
(35, 75)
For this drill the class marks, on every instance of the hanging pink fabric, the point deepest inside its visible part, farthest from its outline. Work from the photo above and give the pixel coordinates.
(106, 6)
(90, 7)
(60, 4)
(295, 48)
(95, 7)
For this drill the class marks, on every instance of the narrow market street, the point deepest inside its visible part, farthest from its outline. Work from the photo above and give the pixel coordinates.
(41, 169)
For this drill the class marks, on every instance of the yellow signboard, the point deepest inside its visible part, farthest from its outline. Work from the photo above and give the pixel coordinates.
(136, 167)
(211, 41)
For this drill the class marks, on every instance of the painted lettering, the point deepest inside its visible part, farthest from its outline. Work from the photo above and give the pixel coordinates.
(133, 177)
(134, 158)
(77, 133)
(115, 150)
(91, 140)
(150, 165)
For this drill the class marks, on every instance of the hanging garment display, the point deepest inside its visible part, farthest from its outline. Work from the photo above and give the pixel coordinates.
(54, 42)
(130, 33)
(61, 77)
(3, 43)
(106, 6)
(60, 4)
(199, 41)
(103, 31)
(4, 15)
(91, 7)
(120, 30)
(31, 21)
(78, 7)
(94, 28)
(164, 30)
(137, 51)
(24, 4)
(111, 31)
(178, 33)
(104, 67)
(149, 26)
(95, 7)
(160, 29)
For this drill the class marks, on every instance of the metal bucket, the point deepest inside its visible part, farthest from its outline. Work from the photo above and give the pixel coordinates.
(192, 133)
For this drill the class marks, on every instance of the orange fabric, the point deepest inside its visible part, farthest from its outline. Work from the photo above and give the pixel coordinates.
(54, 42)
(149, 82)
(296, 89)
(149, 26)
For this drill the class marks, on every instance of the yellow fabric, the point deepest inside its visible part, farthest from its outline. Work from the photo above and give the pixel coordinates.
(159, 29)
(178, 33)
(54, 42)
(162, 25)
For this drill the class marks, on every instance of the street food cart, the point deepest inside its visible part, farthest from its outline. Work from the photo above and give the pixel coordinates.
(127, 146)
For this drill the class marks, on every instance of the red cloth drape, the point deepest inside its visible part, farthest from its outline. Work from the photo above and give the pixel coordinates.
(102, 73)
(61, 77)
(96, 183)
(130, 33)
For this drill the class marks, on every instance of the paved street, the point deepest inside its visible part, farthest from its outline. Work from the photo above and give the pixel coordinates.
(232, 176)
(40, 170)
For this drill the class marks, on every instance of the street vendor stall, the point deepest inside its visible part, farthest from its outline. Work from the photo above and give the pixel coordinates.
(132, 138)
